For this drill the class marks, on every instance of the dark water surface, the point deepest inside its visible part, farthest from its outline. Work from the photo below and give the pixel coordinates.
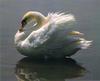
(84, 65)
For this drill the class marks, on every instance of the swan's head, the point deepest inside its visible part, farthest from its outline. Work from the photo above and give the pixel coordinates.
(37, 17)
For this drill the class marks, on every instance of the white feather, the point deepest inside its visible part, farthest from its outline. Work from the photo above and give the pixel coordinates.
(61, 18)
(38, 37)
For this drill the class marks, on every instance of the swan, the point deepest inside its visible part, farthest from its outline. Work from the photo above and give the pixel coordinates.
(49, 35)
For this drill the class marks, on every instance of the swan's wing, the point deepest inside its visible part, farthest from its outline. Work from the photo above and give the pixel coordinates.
(56, 20)
(39, 36)
(61, 19)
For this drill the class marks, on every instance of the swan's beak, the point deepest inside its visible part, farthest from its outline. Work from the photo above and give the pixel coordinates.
(21, 29)
(76, 33)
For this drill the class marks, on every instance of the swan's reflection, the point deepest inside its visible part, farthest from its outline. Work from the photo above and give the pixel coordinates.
(29, 69)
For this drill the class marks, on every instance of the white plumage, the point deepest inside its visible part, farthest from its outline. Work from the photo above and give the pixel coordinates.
(50, 36)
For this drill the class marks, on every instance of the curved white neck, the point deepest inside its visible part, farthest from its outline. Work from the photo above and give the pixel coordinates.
(33, 15)
(40, 19)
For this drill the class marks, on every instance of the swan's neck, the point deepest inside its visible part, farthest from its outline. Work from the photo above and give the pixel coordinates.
(37, 16)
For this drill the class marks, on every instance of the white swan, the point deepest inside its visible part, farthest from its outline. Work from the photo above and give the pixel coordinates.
(49, 36)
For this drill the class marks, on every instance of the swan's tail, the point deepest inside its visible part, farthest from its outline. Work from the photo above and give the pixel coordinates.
(78, 41)
(83, 44)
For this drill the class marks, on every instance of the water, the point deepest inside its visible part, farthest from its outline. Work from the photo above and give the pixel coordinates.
(84, 65)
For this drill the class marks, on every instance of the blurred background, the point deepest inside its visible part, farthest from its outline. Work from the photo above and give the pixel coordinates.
(87, 14)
